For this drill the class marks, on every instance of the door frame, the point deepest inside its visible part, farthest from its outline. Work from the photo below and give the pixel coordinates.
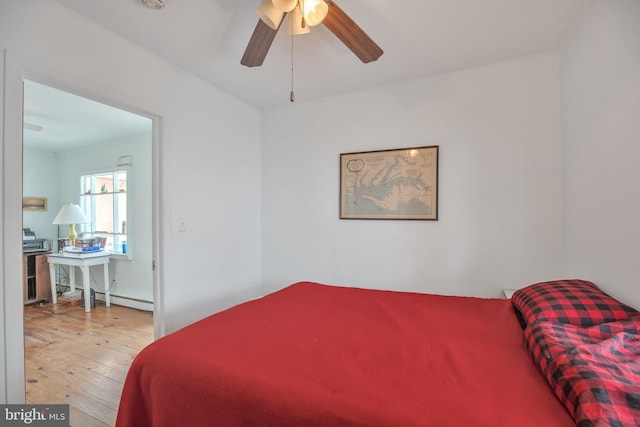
(11, 117)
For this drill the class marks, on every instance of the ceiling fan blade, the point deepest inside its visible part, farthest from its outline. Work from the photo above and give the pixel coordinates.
(351, 34)
(259, 45)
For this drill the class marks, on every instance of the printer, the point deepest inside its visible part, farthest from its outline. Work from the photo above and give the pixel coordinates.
(30, 243)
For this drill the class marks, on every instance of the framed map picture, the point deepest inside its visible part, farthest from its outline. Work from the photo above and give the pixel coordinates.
(390, 184)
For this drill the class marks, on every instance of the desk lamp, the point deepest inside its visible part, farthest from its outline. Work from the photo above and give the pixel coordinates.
(71, 214)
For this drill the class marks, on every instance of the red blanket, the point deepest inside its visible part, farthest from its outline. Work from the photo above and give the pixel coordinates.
(317, 355)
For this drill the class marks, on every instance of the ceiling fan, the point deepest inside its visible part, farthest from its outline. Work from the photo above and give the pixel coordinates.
(307, 13)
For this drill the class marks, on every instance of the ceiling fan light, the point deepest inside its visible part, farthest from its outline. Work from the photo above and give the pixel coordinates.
(285, 5)
(269, 14)
(315, 11)
(296, 27)
(153, 4)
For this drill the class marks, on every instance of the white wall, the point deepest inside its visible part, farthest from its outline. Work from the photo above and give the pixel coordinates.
(209, 166)
(40, 180)
(601, 123)
(501, 195)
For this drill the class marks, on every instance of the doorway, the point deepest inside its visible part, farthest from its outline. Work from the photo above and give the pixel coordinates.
(67, 137)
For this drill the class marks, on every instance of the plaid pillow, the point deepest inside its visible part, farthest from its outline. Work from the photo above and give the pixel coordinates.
(576, 302)
(595, 371)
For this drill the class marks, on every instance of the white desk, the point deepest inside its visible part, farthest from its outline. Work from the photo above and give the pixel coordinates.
(84, 262)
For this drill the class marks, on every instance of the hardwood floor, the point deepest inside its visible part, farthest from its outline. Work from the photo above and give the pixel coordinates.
(82, 358)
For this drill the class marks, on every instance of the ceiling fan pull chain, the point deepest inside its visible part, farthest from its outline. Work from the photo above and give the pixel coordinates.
(292, 95)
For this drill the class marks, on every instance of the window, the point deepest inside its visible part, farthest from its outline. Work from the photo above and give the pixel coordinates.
(104, 200)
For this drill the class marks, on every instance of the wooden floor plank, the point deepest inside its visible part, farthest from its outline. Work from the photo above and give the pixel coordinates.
(82, 358)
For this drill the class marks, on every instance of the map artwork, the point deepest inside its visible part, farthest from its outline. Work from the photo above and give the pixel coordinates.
(390, 184)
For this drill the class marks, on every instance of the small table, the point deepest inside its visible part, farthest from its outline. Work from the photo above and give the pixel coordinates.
(84, 262)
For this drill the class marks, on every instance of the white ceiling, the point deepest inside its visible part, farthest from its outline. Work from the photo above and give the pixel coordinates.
(419, 38)
(208, 37)
(68, 121)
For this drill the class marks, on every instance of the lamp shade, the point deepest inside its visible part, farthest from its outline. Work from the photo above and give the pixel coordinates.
(295, 22)
(285, 5)
(314, 11)
(70, 214)
(269, 14)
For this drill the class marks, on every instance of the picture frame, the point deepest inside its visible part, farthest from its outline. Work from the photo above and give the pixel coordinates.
(34, 203)
(400, 184)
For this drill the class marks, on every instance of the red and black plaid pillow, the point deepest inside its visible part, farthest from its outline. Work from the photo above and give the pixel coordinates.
(574, 302)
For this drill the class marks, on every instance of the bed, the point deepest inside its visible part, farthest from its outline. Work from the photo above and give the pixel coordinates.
(319, 355)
